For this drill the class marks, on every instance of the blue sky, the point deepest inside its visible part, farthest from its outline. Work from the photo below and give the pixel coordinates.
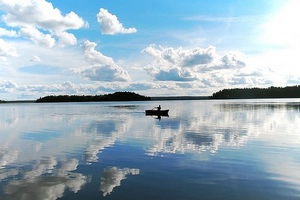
(154, 48)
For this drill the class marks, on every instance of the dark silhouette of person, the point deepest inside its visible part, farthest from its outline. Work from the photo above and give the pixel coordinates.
(158, 108)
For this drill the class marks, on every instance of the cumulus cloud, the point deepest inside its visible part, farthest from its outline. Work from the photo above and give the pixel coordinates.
(113, 176)
(110, 24)
(38, 37)
(232, 60)
(94, 56)
(106, 73)
(195, 64)
(7, 86)
(35, 91)
(102, 68)
(178, 64)
(36, 17)
(175, 74)
(182, 57)
(66, 38)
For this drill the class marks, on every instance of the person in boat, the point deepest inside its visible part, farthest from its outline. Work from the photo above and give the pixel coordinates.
(158, 108)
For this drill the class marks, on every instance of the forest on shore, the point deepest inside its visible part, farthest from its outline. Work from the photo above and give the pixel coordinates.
(255, 93)
(117, 96)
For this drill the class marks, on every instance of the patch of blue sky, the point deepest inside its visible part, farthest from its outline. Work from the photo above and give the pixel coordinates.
(41, 69)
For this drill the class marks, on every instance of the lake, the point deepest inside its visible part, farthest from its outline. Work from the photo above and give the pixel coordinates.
(209, 149)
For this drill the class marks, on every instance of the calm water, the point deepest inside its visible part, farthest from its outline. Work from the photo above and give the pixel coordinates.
(203, 150)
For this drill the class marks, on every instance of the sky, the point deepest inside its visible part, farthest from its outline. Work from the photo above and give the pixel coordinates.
(154, 48)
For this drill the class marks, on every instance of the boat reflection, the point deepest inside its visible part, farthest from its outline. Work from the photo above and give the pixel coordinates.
(157, 116)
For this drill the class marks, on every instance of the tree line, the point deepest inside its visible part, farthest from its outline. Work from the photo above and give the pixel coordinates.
(252, 93)
(117, 96)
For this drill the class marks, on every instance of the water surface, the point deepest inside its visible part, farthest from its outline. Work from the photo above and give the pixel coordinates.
(234, 149)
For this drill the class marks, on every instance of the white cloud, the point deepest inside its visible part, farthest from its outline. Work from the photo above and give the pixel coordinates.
(178, 64)
(8, 33)
(232, 60)
(103, 68)
(94, 56)
(181, 57)
(39, 13)
(7, 86)
(110, 24)
(66, 38)
(229, 61)
(38, 37)
(39, 20)
(203, 68)
(7, 50)
(175, 74)
(105, 73)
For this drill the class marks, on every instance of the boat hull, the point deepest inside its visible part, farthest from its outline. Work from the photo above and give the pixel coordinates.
(157, 112)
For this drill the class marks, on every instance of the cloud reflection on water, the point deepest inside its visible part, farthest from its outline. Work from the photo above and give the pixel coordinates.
(228, 125)
(113, 176)
(48, 179)
(7, 157)
(90, 129)
(105, 133)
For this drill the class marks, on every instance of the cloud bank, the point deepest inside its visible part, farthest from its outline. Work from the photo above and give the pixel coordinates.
(204, 65)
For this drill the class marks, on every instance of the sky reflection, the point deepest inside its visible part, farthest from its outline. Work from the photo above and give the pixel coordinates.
(46, 179)
(112, 178)
(43, 151)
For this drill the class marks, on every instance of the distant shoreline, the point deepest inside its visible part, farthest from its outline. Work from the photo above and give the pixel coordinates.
(163, 98)
(236, 93)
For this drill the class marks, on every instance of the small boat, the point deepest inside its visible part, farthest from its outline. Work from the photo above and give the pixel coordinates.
(157, 112)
